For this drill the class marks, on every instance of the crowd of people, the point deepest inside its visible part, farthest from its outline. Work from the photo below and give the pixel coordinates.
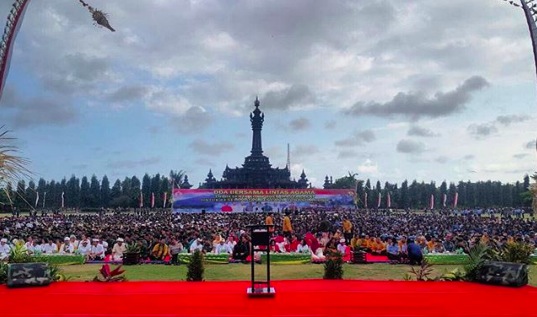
(162, 235)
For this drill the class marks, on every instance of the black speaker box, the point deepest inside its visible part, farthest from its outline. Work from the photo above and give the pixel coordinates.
(28, 274)
(503, 273)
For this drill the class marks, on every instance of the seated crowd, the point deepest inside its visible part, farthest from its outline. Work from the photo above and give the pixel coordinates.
(162, 236)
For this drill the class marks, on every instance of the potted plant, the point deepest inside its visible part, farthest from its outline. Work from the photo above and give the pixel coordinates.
(132, 254)
(333, 267)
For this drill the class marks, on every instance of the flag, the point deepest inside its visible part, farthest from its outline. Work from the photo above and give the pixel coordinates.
(431, 206)
(164, 200)
(63, 200)
(36, 199)
(365, 200)
(44, 198)
(152, 200)
(444, 199)
(456, 200)
(378, 200)
(389, 201)
(141, 200)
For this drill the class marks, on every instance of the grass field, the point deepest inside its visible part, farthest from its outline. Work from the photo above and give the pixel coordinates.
(238, 272)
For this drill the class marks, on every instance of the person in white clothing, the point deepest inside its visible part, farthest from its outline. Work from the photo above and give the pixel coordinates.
(231, 242)
(4, 249)
(118, 250)
(303, 247)
(97, 250)
(49, 247)
(74, 241)
(222, 248)
(34, 248)
(196, 245)
(67, 247)
(342, 247)
(84, 248)
(29, 244)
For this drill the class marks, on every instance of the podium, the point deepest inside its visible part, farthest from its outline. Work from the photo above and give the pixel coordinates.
(260, 243)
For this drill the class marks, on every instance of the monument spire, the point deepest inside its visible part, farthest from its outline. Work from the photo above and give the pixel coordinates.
(256, 118)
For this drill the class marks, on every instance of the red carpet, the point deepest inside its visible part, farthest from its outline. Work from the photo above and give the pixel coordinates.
(370, 258)
(293, 298)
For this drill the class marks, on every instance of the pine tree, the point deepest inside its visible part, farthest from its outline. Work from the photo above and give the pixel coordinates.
(105, 192)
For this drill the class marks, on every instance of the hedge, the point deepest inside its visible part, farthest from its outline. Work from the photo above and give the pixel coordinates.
(454, 259)
(451, 259)
(275, 258)
(210, 258)
(287, 258)
(60, 259)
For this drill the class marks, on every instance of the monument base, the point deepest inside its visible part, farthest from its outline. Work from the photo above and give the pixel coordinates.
(261, 292)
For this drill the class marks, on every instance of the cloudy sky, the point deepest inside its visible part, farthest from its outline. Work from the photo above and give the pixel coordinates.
(393, 90)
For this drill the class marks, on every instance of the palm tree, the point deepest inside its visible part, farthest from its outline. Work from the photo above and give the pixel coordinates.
(12, 166)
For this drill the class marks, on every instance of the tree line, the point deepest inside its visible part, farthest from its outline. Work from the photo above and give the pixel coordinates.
(91, 192)
(417, 195)
(94, 193)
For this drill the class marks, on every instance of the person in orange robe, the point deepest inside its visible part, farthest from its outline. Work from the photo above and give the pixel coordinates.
(287, 227)
(270, 221)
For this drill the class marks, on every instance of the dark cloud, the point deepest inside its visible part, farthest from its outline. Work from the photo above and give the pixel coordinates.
(127, 93)
(194, 120)
(347, 154)
(417, 105)
(507, 120)
(305, 150)
(76, 73)
(123, 164)
(211, 149)
(442, 159)
(468, 157)
(330, 124)
(29, 112)
(482, 130)
(520, 155)
(296, 95)
(299, 124)
(489, 128)
(423, 132)
(204, 162)
(357, 139)
(530, 145)
(410, 147)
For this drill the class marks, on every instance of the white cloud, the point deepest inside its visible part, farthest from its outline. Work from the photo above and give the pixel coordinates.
(368, 167)
(205, 61)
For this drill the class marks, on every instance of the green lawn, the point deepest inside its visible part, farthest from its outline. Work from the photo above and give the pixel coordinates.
(242, 272)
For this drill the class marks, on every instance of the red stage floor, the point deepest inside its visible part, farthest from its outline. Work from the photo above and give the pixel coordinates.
(293, 298)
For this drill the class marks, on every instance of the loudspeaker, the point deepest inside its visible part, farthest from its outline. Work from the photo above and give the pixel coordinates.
(261, 237)
(28, 274)
(503, 273)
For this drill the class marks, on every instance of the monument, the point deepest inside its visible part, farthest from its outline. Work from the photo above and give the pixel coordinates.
(256, 172)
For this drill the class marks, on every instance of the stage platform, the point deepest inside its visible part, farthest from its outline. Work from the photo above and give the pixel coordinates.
(293, 298)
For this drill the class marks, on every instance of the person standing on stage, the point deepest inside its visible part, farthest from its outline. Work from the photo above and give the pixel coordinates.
(270, 221)
(287, 226)
(347, 230)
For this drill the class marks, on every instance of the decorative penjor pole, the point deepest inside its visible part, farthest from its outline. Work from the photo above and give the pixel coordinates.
(530, 12)
(13, 24)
